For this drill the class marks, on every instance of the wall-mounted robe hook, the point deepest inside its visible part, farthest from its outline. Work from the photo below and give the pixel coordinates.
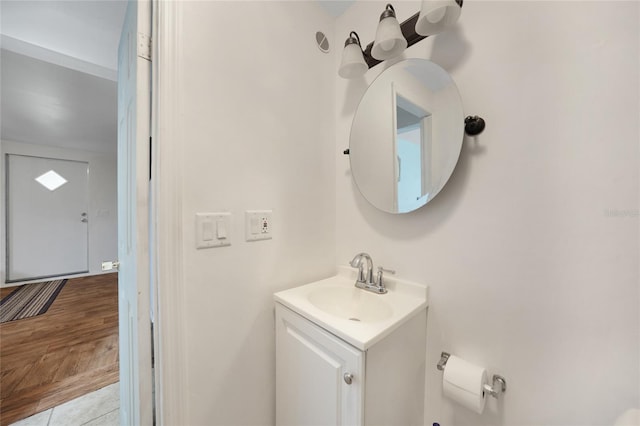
(474, 125)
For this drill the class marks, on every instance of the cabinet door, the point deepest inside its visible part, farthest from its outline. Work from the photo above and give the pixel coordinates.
(310, 368)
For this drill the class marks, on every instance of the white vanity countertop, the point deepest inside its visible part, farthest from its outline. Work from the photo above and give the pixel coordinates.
(381, 313)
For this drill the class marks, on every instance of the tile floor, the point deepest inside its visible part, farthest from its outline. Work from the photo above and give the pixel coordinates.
(98, 408)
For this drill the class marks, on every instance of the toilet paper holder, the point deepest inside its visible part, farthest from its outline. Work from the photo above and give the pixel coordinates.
(444, 357)
(498, 385)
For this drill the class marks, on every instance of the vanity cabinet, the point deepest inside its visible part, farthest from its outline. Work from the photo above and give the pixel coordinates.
(323, 380)
(311, 365)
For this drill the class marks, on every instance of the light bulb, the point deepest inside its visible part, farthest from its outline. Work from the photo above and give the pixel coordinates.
(387, 44)
(437, 15)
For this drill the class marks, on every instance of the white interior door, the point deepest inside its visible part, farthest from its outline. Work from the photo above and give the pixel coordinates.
(47, 222)
(133, 216)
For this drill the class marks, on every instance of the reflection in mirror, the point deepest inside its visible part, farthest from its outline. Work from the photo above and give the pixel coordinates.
(406, 136)
(413, 136)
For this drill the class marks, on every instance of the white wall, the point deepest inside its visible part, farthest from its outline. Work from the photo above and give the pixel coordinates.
(531, 250)
(103, 227)
(258, 133)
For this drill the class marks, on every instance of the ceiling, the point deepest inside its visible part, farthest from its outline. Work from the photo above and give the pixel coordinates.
(87, 30)
(82, 31)
(58, 68)
(336, 8)
(48, 104)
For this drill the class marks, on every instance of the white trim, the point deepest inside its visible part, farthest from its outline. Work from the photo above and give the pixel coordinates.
(170, 359)
(394, 128)
(43, 54)
(57, 277)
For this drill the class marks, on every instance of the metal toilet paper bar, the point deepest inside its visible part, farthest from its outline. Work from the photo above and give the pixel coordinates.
(498, 386)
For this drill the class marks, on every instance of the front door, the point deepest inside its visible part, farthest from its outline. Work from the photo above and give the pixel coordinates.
(47, 217)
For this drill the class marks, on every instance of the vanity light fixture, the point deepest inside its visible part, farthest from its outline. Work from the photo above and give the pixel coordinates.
(445, 12)
(353, 64)
(390, 41)
(437, 15)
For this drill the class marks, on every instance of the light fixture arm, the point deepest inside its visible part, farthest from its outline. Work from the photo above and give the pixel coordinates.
(353, 39)
(388, 11)
(408, 29)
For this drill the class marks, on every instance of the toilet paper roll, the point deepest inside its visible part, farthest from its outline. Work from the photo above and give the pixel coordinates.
(463, 382)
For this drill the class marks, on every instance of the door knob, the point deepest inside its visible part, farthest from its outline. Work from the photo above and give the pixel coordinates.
(84, 220)
(348, 378)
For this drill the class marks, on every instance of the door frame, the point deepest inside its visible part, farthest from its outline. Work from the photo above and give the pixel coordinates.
(165, 207)
(166, 213)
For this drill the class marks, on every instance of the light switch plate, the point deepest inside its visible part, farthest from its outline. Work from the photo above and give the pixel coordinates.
(213, 229)
(258, 225)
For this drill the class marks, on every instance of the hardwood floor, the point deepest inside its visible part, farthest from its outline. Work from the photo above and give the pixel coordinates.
(70, 350)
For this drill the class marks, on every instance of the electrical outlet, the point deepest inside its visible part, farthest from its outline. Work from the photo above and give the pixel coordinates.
(258, 225)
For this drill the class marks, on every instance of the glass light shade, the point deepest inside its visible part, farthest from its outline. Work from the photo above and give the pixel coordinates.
(353, 64)
(389, 40)
(437, 15)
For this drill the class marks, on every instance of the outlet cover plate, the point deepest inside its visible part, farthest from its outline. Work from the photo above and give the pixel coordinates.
(258, 225)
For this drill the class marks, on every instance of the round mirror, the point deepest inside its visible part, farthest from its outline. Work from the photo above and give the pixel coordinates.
(406, 136)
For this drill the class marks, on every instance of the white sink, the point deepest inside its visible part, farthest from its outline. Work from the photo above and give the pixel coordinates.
(350, 303)
(359, 317)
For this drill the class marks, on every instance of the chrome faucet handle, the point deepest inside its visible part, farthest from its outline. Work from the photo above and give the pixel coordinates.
(379, 277)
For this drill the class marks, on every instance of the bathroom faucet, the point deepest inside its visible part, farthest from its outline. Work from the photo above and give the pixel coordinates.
(357, 263)
(365, 280)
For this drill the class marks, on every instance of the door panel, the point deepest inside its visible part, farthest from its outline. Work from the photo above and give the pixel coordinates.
(310, 369)
(134, 74)
(47, 221)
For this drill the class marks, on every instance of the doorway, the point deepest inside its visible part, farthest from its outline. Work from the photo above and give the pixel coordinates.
(47, 124)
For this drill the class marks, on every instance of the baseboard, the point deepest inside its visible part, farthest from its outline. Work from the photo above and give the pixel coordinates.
(58, 277)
